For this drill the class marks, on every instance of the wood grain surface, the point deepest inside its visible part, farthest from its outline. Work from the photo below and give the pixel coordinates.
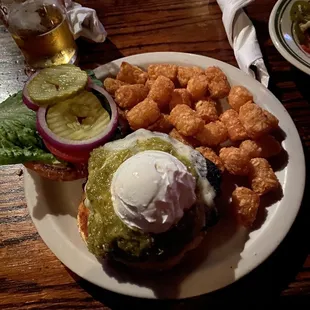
(31, 277)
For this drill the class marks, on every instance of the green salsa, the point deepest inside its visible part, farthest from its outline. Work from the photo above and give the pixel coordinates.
(300, 14)
(106, 232)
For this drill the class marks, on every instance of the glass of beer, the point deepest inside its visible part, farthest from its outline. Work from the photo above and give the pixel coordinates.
(41, 31)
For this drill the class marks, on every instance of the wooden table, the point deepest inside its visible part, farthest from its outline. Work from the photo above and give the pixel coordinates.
(31, 277)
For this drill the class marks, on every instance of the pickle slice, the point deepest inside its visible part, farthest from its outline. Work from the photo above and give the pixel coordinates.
(79, 118)
(57, 83)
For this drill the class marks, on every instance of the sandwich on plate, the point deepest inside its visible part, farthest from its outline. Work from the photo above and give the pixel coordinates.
(148, 200)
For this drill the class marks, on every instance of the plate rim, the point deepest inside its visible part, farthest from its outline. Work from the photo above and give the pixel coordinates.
(278, 40)
(285, 227)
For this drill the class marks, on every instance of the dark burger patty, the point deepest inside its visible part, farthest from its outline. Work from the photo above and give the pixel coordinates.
(165, 245)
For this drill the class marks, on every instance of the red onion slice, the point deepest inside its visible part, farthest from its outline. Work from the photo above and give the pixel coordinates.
(73, 146)
(26, 98)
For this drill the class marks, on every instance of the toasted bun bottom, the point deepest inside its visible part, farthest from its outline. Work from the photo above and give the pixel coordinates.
(58, 172)
(82, 219)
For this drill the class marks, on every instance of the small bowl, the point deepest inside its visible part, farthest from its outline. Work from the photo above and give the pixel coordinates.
(283, 37)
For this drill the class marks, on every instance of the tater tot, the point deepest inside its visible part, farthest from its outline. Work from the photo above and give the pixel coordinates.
(266, 146)
(143, 114)
(185, 120)
(131, 74)
(127, 96)
(238, 96)
(273, 121)
(245, 203)
(212, 134)
(262, 177)
(186, 73)
(162, 124)
(254, 120)
(197, 86)
(149, 83)
(217, 83)
(112, 85)
(235, 161)
(236, 131)
(185, 140)
(211, 155)
(161, 91)
(180, 96)
(251, 148)
(167, 70)
(206, 109)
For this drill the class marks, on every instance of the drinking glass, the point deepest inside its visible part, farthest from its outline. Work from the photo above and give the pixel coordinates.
(41, 31)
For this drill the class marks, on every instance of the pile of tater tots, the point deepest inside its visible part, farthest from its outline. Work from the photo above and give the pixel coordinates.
(184, 103)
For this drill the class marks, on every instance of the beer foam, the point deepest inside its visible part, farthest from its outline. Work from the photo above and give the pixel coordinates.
(26, 17)
(32, 22)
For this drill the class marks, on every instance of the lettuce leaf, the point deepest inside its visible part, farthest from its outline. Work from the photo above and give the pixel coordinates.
(19, 140)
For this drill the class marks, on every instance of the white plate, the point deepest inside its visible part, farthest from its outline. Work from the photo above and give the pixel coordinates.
(282, 36)
(227, 253)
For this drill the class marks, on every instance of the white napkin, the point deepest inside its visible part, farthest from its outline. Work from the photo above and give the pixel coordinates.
(242, 38)
(84, 22)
